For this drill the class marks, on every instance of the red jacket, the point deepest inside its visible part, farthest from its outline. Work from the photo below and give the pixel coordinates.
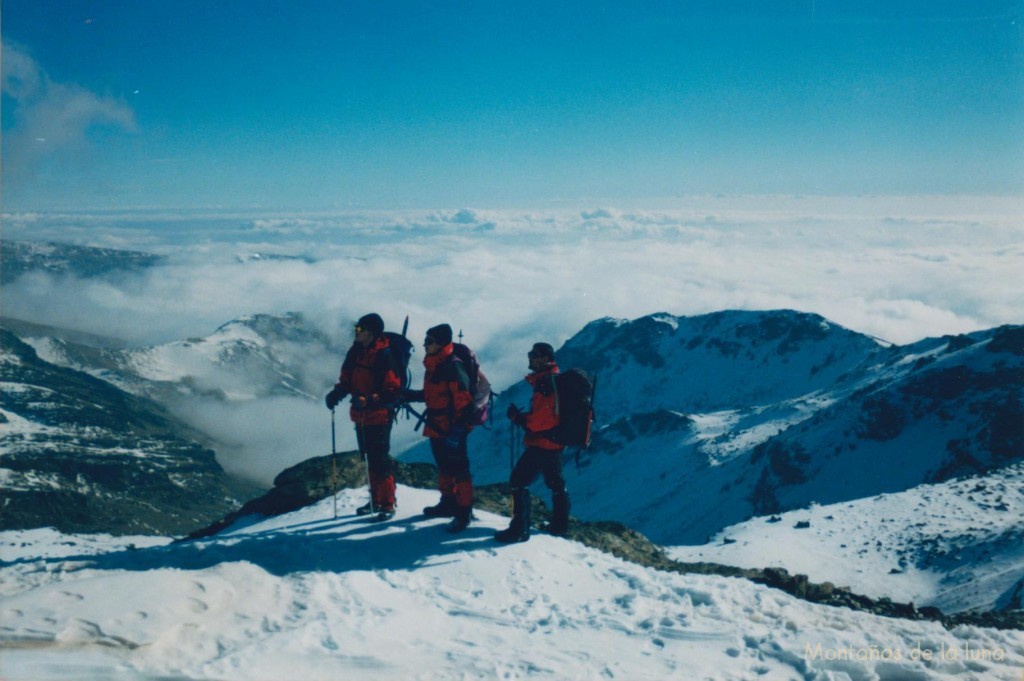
(446, 393)
(543, 414)
(370, 373)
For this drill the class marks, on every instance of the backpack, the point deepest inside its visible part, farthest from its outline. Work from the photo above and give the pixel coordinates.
(401, 351)
(479, 386)
(574, 404)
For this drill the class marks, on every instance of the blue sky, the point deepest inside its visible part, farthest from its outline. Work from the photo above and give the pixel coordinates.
(310, 104)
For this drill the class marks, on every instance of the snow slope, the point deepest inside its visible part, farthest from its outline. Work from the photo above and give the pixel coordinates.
(956, 545)
(305, 596)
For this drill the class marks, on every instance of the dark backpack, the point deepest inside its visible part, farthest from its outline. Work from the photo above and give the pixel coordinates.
(574, 404)
(401, 352)
(479, 386)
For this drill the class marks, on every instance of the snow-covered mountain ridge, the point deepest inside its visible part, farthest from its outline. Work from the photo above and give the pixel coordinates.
(249, 386)
(81, 455)
(257, 356)
(21, 257)
(714, 362)
(764, 414)
(780, 411)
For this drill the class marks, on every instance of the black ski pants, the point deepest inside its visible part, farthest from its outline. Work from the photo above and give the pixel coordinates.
(375, 442)
(452, 458)
(536, 461)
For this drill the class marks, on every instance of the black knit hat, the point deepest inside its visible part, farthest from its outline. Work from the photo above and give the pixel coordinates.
(442, 333)
(543, 350)
(372, 322)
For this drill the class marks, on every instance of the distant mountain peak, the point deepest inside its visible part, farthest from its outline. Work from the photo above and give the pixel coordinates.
(21, 257)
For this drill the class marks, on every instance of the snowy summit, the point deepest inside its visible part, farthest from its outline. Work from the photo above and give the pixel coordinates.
(307, 596)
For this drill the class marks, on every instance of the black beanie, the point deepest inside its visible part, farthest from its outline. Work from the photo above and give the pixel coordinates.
(373, 323)
(544, 350)
(442, 333)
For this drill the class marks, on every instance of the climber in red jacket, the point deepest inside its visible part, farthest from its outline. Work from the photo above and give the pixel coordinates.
(543, 456)
(370, 375)
(449, 408)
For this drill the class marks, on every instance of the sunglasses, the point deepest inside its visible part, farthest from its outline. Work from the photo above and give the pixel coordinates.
(429, 341)
(359, 329)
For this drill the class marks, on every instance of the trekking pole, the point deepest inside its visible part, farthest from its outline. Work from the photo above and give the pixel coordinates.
(334, 467)
(366, 457)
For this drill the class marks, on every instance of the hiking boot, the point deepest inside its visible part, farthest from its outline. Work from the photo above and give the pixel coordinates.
(383, 515)
(460, 520)
(519, 529)
(365, 509)
(555, 530)
(445, 508)
(513, 535)
(559, 523)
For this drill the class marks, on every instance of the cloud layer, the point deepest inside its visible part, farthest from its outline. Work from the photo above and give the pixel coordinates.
(898, 269)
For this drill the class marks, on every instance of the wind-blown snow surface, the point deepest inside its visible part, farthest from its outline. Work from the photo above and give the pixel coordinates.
(305, 596)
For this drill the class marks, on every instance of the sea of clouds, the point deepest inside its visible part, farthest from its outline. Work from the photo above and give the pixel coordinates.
(900, 269)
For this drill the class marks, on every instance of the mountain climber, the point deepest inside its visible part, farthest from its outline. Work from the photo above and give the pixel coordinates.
(448, 422)
(542, 455)
(370, 375)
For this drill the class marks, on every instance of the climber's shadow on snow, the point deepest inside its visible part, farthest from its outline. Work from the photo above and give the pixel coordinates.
(341, 545)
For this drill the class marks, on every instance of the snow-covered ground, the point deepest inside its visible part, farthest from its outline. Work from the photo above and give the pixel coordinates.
(957, 545)
(307, 596)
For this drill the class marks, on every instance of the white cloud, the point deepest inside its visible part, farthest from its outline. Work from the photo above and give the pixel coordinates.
(259, 439)
(22, 78)
(894, 268)
(51, 118)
